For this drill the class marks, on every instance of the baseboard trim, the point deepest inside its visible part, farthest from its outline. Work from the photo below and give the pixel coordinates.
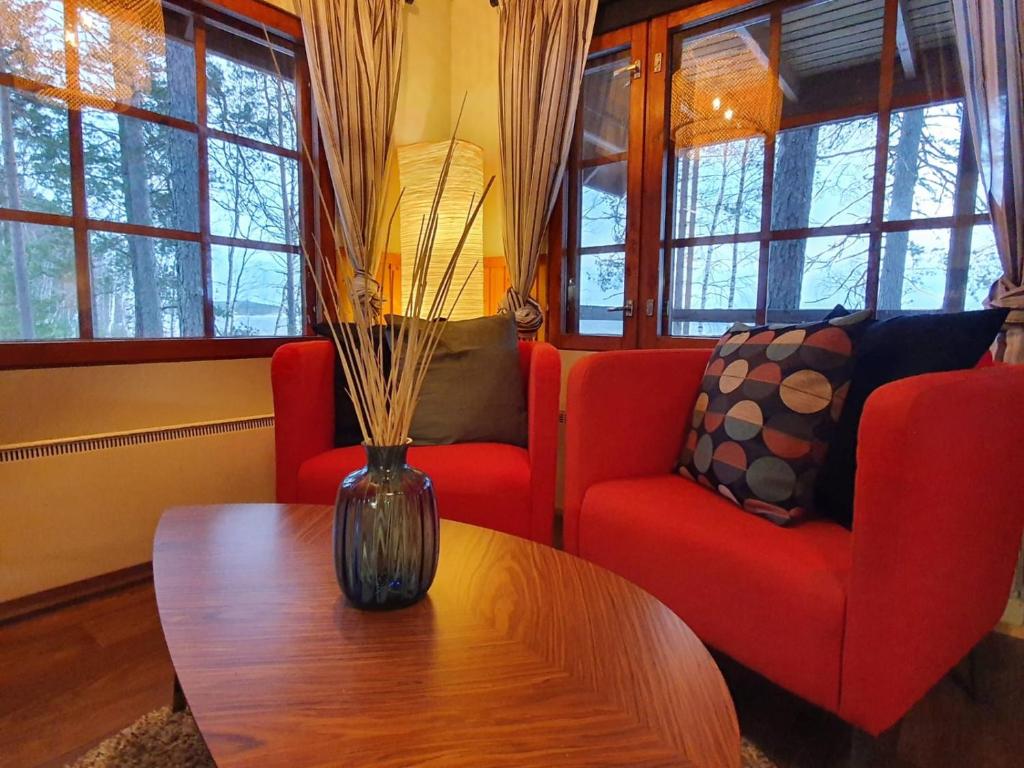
(59, 597)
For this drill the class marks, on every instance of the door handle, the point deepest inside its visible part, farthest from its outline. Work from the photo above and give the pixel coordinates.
(635, 70)
(626, 309)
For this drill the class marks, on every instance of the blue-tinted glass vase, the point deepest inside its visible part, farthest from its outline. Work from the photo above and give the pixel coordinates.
(385, 532)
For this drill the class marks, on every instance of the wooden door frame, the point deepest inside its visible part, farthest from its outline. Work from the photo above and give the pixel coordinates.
(562, 230)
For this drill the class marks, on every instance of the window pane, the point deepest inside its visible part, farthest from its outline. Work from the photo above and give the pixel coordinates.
(140, 172)
(823, 175)
(603, 205)
(38, 289)
(145, 287)
(249, 100)
(605, 100)
(712, 286)
(913, 274)
(602, 280)
(926, 62)
(253, 194)
(723, 105)
(985, 267)
(600, 172)
(256, 293)
(830, 56)
(816, 273)
(718, 189)
(40, 177)
(924, 151)
(128, 63)
(32, 40)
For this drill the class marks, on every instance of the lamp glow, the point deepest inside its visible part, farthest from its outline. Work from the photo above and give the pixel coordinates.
(419, 165)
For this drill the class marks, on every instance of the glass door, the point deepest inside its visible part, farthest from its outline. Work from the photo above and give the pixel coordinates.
(736, 164)
(713, 112)
(598, 247)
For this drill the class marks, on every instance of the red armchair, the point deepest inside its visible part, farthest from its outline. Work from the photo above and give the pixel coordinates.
(861, 623)
(499, 486)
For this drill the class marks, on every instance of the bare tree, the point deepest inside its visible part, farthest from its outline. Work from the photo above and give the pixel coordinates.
(796, 154)
(905, 164)
(23, 298)
(183, 163)
(135, 179)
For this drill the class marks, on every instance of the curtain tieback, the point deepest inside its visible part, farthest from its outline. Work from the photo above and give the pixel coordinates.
(366, 291)
(526, 312)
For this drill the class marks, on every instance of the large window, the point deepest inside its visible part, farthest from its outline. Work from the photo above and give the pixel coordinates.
(794, 157)
(153, 196)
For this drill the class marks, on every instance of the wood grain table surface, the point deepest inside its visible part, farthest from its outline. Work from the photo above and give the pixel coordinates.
(520, 655)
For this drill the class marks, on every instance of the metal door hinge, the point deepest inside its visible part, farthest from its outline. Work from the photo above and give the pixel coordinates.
(657, 62)
(649, 307)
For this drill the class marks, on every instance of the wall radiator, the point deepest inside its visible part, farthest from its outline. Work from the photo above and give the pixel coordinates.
(77, 507)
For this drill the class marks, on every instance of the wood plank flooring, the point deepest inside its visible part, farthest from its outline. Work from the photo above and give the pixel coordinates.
(71, 677)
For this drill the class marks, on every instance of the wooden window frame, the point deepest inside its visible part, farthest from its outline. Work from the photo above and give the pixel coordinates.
(260, 22)
(651, 259)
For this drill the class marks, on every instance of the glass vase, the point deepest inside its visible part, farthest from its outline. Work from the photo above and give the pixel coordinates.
(385, 532)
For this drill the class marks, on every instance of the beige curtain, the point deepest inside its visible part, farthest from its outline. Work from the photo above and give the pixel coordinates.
(354, 49)
(989, 41)
(542, 49)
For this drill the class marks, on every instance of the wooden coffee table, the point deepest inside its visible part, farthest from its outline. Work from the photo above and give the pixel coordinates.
(521, 655)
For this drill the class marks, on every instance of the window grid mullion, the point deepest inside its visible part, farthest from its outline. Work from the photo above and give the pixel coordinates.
(885, 88)
(76, 150)
(767, 175)
(205, 248)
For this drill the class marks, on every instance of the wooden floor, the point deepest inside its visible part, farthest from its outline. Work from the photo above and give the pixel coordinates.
(71, 677)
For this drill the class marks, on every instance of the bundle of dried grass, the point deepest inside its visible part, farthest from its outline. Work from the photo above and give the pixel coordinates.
(385, 402)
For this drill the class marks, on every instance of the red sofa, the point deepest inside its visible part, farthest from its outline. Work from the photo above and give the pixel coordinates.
(861, 623)
(499, 486)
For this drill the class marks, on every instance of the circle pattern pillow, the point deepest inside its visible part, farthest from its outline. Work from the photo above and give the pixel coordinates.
(768, 405)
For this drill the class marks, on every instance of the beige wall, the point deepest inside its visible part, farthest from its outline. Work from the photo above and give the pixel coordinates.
(451, 51)
(474, 76)
(67, 518)
(50, 403)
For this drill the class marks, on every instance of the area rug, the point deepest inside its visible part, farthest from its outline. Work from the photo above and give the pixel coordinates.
(165, 739)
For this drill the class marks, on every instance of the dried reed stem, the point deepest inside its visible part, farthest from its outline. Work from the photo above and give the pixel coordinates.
(385, 404)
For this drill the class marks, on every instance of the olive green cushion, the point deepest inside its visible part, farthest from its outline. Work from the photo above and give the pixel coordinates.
(473, 391)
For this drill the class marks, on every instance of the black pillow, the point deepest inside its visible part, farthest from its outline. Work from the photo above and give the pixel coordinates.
(346, 425)
(473, 391)
(903, 346)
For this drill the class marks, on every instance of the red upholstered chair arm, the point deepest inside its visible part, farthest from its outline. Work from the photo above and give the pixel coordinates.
(544, 379)
(302, 375)
(627, 415)
(936, 530)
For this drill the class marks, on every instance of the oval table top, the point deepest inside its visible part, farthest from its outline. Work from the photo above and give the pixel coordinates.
(520, 655)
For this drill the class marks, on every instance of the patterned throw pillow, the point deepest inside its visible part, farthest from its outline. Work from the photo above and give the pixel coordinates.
(769, 403)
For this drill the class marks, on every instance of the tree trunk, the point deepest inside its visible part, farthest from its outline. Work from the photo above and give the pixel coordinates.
(795, 158)
(705, 282)
(135, 176)
(737, 215)
(691, 223)
(184, 166)
(289, 235)
(22, 296)
(901, 204)
(680, 197)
